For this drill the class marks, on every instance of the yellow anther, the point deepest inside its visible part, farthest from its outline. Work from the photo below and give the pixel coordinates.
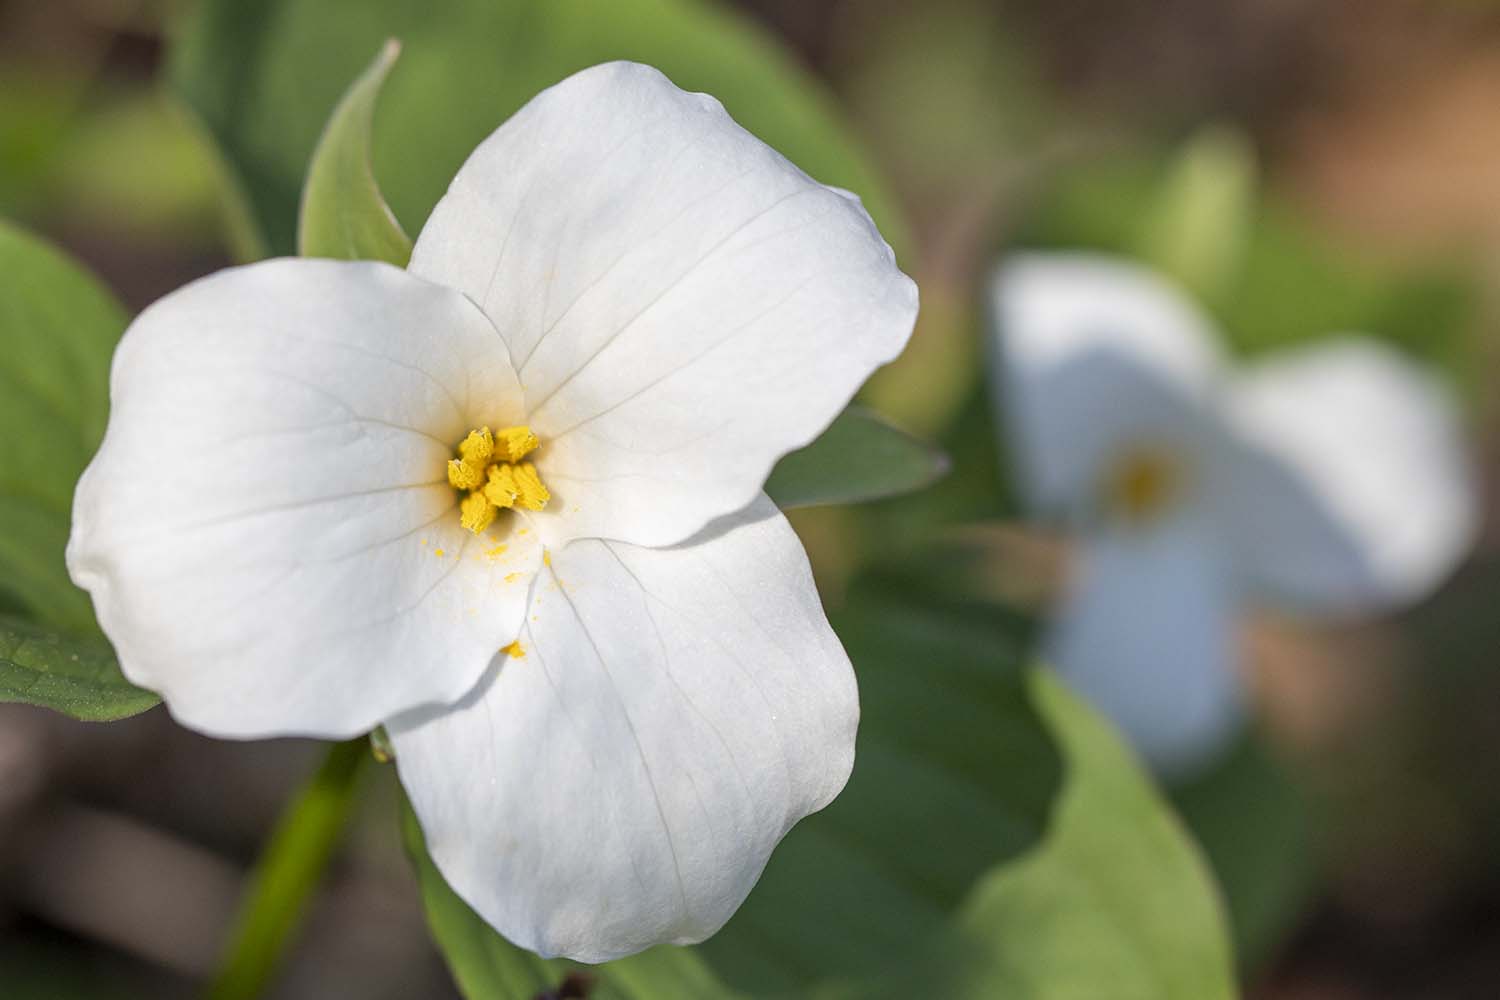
(489, 472)
(467, 471)
(463, 476)
(476, 513)
(1144, 484)
(502, 490)
(532, 494)
(515, 443)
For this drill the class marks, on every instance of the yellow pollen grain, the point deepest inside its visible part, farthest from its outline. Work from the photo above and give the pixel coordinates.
(437, 552)
(547, 557)
(512, 577)
(498, 550)
(515, 650)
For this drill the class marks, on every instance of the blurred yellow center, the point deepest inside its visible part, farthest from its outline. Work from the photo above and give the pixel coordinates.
(490, 474)
(1143, 484)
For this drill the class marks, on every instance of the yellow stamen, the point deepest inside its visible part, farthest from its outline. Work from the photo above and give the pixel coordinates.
(515, 443)
(467, 471)
(489, 471)
(1143, 484)
(476, 513)
(533, 495)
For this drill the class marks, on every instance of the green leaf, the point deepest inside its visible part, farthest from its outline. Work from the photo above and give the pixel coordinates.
(58, 329)
(103, 181)
(1199, 225)
(343, 213)
(954, 773)
(75, 675)
(1256, 831)
(263, 78)
(1116, 902)
(488, 967)
(859, 457)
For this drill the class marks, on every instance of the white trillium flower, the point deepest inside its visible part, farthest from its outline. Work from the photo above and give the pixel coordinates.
(508, 503)
(1328, 480)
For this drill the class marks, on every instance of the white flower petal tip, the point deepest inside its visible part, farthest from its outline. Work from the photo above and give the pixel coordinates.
(1356, 493)
(684, 306)
(1148, 638)
(1093, 355)
(668, 716)
(266, 530)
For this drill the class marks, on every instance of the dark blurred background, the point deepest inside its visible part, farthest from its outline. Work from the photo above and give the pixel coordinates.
(123, 846)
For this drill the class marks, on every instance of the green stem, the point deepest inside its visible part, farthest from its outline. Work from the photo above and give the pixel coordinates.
(288, 871)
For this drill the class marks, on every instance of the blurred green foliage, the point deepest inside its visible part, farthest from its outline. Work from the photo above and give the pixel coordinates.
(1111, 904)
(263, 76)
(859, 457)
(1256, 828)
(1293, 283)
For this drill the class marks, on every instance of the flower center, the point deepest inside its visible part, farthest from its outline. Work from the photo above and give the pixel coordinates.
(490, 474)
(1143, 484)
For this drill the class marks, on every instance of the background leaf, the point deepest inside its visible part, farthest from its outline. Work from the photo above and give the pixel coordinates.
(58, 329)
(1116, 902)
(264, 76)
(343, 213)
(859, 457)
(1197, 229)
(75, 675)
(1291, 283)
(1257, 831)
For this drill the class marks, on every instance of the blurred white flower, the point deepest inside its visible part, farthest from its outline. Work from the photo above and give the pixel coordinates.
(508, 503)
(1330, 479)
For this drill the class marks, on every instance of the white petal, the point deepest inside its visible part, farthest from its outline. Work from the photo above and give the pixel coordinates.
(624, 781)
(261, 528)
(1092, 356)
(1353, 492)
(684, 305)
(1149, 638)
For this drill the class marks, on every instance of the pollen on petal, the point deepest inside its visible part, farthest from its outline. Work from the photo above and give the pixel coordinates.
(515, 650)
